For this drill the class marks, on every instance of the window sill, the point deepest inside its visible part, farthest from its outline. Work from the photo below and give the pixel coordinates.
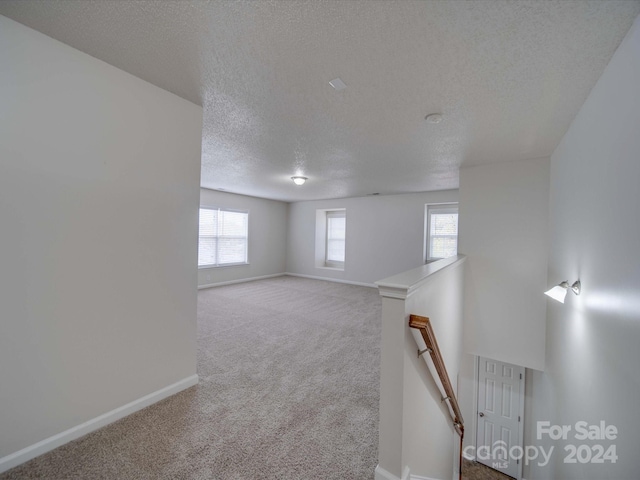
(431, 260)
(201, 267)
(337, 269)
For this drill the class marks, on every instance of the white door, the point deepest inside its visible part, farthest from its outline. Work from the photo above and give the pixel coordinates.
(500, 408)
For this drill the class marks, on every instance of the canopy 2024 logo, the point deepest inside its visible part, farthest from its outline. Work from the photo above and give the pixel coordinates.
(583, 453)
(499, 454)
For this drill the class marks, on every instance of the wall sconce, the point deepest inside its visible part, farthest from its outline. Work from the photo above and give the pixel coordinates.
(560, 291)
(299, 180)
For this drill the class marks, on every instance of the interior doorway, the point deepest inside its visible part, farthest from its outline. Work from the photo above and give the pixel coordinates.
(500, 410)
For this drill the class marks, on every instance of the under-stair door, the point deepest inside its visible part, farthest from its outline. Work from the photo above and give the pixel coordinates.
(500, 410)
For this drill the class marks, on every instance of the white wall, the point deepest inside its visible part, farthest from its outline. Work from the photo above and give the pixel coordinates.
(267, 237)
(99, 177)
(385, 235)
(416, 431)
(431, 442)
(503, 231)
(592, 340)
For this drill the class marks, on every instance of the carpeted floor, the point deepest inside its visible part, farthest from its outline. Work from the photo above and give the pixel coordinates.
(477, 471)
(289, 389)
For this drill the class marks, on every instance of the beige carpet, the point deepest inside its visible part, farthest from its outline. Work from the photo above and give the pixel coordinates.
(289, 389)
(477, 471)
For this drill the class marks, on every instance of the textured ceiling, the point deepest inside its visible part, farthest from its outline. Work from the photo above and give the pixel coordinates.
(508, 77)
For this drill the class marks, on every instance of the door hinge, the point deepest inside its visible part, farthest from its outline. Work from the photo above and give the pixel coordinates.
(518, 417)
(518, 462)
(520, 376)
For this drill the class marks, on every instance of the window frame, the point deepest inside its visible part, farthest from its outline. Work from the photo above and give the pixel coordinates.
(223, 265)
(337, 213)
(438, 208)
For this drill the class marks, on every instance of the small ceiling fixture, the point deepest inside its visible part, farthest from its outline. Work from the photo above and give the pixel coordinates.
(338, 84)
(560, 291)
(434, 118)
(298, 180)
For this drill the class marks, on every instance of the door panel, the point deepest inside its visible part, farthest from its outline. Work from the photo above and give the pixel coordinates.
(499, 387)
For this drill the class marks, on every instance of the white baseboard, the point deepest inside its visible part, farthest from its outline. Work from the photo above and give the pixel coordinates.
(328, 279)
(48, 444)
(382, 474)
(262, 277)
(241, 280)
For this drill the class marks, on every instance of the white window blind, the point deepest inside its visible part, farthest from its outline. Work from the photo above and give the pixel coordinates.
(336, 235)
(223, 237)
(442, 231)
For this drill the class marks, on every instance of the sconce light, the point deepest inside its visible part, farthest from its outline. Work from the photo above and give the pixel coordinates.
(560, 291)
(299, 180)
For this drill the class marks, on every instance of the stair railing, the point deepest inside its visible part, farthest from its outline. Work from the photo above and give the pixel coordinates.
(424, 326)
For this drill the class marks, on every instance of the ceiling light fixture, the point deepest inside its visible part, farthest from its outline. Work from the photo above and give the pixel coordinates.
(299, 180)
(559, 292)
(338, 84)
(434, 118)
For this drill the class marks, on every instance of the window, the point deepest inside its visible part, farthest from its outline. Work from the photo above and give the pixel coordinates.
(335, 241)
(330, 238)
(223, 237)
(441, 231)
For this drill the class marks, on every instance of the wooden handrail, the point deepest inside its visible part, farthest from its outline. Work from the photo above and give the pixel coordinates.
(424, 326)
